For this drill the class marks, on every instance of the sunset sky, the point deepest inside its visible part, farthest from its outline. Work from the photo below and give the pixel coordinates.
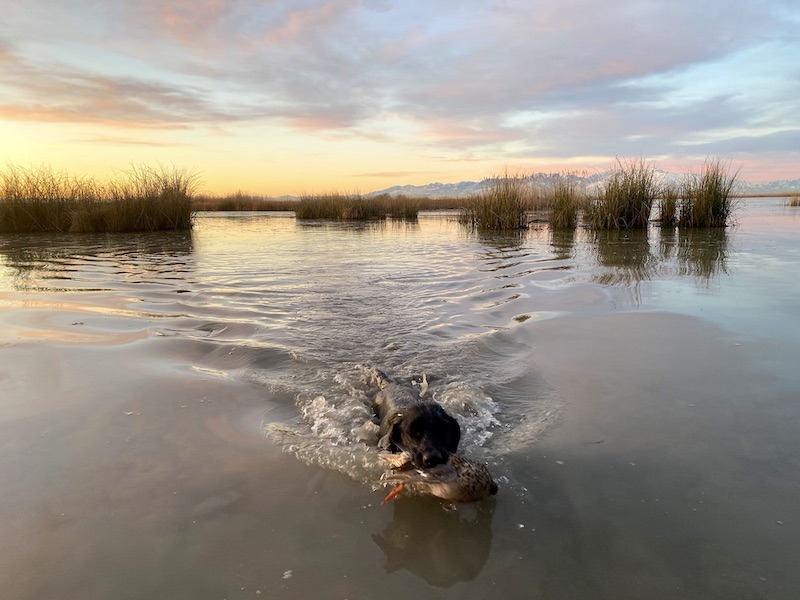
(300, 95)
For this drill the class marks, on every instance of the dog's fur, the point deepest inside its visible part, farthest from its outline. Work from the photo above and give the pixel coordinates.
(409, 423)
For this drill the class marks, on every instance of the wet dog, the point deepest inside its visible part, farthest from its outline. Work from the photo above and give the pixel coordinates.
(409, 423)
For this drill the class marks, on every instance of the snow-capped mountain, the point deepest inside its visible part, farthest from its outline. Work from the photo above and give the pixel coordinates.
(467, 188)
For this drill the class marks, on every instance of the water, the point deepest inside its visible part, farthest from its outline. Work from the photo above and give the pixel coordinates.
(181, 412)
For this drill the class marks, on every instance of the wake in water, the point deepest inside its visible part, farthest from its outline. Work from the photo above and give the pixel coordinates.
(336, 430)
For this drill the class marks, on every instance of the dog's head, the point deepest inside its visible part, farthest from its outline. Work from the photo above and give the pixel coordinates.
(426, 432)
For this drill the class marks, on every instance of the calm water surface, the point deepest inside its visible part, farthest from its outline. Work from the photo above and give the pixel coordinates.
(179, 411)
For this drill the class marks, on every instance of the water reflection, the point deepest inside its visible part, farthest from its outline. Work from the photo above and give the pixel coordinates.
(632, 256)
(563, 243)
(703, 253)
(38, 261)
(501, 240)
(443, 547)
(628, 256)
(342, 226)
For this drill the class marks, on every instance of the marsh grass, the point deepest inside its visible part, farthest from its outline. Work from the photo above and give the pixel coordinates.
(624, 200)
(564, 199)
(668, 207)
(707, 199)
(794, 200)
(400, 207)
(141, 199)
(341, 207)
(240, 201)
(355, 207)
(501, 206)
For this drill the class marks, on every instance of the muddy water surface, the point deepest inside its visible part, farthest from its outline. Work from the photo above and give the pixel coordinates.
(179, 412)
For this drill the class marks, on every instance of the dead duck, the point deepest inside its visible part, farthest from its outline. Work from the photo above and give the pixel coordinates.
(460, 479)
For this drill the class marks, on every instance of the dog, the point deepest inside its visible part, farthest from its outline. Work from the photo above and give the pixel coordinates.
(408, 423)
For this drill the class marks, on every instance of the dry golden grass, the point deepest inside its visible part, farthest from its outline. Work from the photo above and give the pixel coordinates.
(564, 199)
(625, 199)
(501, 206)
(707, 198)
(140, 199)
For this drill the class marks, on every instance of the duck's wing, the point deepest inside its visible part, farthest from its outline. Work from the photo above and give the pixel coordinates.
(396, 460)
(439, 474)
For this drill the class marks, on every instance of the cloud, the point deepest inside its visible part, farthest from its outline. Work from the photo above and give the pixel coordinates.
(6, 55)
(66, 95)
(786, 142)
(127, 141)
(557, 78)
(307, 22)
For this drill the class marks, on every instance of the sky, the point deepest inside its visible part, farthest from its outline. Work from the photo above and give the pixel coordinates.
(303, 96)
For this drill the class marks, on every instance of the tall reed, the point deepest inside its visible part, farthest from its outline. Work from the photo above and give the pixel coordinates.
(564, 198)
(343, 207)
(707, 198)
(625, 198)
(401, 207)
(501, 206)
(668, 206)
(239, 201)
(141, 199)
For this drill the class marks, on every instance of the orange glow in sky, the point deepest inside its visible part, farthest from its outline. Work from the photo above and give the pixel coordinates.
(303, 96)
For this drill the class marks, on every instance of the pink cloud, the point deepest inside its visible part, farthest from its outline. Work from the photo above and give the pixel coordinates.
(460, 135)
(186, 19)
(303, 23)
(6, 55)
(53, 114)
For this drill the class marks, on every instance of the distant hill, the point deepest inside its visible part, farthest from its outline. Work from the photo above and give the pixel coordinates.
(467, 188)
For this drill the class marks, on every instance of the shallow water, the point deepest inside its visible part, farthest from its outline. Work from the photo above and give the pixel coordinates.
(180, 411)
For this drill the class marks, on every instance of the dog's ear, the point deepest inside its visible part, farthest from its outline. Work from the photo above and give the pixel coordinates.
(392, 431)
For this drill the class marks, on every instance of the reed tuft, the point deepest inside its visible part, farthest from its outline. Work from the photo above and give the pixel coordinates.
(355, 207)
(668, 207)
(707, 198)
(341, 207)
(625, 199)
(141, 199)
(565, 199)
(501, 206)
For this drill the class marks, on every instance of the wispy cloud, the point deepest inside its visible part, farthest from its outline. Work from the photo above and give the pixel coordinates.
(69, 96)
(557, 78)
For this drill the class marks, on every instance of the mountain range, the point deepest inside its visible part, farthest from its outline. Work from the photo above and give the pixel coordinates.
(466, 188)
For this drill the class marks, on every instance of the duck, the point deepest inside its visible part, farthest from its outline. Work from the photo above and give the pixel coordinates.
(460, 479)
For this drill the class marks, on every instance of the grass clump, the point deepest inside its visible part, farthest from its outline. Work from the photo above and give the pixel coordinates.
(355, 207)
(341, 207)
(501, 206)
(624, 199)
(240, 201)
(794, 200)
(141, 199)
(564, 198)
(707, 198)
(400, 206)
(668, 207)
